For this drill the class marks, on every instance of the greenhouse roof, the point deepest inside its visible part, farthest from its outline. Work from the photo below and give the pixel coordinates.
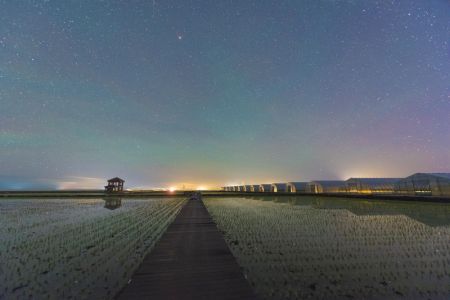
(374, 180)
(441, 175)
(329, 182)
(279, 184)
(444, 175)
(298, 183)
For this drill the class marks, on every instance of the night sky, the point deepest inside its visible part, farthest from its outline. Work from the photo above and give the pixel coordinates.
(166, 93)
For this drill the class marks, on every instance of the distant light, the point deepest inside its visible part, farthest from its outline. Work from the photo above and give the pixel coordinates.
(201, 188)
(172, 189)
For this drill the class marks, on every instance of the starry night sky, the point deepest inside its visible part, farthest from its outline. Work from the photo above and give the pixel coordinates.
(165, 93)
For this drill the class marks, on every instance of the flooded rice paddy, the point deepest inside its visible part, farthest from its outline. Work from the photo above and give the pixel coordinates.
(79, 248)
(332, 248)
(287, 247)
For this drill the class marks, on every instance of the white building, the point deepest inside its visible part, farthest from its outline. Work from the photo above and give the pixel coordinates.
(278, 187)
(425, 184)
(247, 188)
(325, 186)
(264, 188)
(296, 187)
(371, 185)
(254, 188)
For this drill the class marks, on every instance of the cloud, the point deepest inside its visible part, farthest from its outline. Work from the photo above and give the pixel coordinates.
(80, 182)
(11, 183)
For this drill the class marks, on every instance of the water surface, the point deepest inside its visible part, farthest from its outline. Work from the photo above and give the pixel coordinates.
(77, 248)
(338, 248)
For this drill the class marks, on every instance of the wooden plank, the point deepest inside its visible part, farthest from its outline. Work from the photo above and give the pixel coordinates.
(191, 261)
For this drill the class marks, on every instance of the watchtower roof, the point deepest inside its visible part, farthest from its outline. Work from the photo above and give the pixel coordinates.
(116, 179)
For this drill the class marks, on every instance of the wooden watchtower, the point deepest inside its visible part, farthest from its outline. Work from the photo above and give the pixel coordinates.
(114, 185)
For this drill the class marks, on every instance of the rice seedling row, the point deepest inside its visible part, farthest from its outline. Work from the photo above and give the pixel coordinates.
(291, 252)
(82, 250)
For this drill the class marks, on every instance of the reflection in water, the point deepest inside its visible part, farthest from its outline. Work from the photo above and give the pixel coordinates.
(112, 202)
(309, 247)
(428, 213)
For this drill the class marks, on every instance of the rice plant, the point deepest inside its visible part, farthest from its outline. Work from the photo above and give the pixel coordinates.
(291, 251)
(75, 248)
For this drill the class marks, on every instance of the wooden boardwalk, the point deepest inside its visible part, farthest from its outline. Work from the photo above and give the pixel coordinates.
(191, 261)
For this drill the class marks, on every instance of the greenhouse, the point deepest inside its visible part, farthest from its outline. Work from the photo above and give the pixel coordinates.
(278, 187)
(371, 185)
(254, 188)
(264, 188)
(296, 187)
(325, 186)
(424, 184)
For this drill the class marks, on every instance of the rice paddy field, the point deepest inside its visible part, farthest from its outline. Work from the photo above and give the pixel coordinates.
(331, 248)
(77, 248)
(287, 247)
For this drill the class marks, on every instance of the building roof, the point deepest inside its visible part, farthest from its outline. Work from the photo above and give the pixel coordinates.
(116, 179)
(443, 175)
(440, 175)
(328, 182)
(265, 186)
(298, 183)
(374, 180)
(279, 184)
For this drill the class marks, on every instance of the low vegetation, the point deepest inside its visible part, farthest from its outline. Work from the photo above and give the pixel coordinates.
(76, 249)
(299, 252)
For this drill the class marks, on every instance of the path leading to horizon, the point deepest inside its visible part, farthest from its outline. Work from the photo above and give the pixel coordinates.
(191, 261)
